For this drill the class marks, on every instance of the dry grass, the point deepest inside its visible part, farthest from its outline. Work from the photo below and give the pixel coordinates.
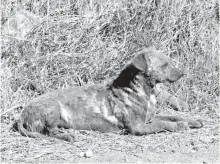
(82, 42)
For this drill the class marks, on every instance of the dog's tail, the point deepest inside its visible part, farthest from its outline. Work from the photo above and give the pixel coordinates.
(19, 126)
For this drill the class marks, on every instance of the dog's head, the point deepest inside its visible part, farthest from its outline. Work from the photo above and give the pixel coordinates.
(155, 65)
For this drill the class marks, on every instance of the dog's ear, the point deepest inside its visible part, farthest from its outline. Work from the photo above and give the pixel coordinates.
(141, 62)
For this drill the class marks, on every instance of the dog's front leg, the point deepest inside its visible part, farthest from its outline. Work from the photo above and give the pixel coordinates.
(193, 123)
(150, 110)
(157, 126)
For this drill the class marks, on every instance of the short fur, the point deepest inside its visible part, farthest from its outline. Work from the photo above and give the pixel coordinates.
(127, 103)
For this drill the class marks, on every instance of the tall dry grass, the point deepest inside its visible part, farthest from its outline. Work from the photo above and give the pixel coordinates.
(88, 41)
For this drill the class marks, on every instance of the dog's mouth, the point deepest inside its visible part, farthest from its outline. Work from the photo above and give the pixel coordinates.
(174, 79)
(171, 80)
(167, 81)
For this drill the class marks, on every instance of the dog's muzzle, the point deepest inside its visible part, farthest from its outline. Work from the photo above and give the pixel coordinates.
(174, 75)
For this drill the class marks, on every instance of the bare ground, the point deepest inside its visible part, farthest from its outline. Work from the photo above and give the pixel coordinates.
(194, 145)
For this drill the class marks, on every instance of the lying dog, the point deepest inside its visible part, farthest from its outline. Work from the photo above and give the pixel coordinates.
(126, 103)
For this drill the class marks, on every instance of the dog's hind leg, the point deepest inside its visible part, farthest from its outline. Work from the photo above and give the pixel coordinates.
(43, 118)
(56, 125)
(192, 123)
(64, 134)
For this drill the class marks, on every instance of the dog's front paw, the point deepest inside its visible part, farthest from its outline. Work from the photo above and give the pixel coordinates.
(71, 139)
(196, 123)
(72, 136)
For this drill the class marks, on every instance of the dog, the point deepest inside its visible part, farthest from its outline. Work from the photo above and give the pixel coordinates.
(125, 104)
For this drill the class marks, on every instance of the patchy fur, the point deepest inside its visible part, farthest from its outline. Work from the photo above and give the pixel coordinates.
(127, 103)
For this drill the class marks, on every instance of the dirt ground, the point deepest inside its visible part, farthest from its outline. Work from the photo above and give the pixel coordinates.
(191, 146)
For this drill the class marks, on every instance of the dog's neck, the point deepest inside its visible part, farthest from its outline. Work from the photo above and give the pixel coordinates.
(125, 78)
(133, 78)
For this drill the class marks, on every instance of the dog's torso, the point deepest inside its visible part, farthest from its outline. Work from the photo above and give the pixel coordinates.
(102, 108)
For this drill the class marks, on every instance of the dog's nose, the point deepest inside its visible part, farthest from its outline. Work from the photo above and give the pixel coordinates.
(175, 74)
